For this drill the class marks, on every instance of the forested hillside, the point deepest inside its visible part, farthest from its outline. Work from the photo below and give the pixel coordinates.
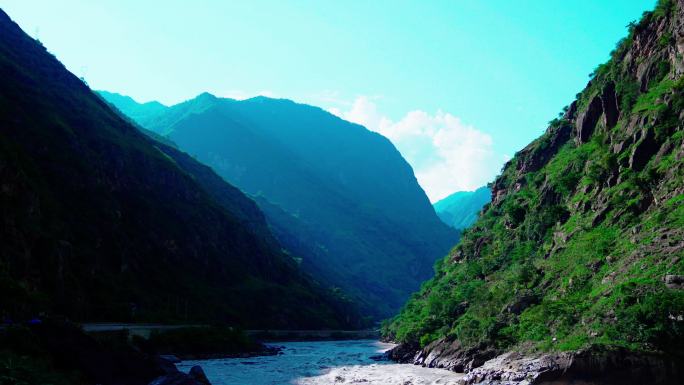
(583, 243)
(100, 222)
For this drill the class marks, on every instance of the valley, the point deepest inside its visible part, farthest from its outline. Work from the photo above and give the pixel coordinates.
(336, 195)
(258, 240)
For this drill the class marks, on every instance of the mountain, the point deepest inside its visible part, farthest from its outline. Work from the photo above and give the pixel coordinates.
(336, 194)
(100, 222)
(136, 111)
(460, 209)
(582, 248)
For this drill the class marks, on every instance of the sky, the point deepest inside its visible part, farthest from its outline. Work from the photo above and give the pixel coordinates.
(458, 86)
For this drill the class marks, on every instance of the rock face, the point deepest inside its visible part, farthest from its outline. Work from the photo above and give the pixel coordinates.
(590, 366)
(581, 251)
(602, 108)
(609, 105)
(643, 150)
(584, 367)
(587, 120)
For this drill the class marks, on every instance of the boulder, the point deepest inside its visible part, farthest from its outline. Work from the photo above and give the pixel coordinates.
(521, 303)
(403, 353)
(196, 376)
(673, 281)
(197, 373)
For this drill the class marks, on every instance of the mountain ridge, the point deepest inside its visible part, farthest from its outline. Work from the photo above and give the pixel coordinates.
(358, 202)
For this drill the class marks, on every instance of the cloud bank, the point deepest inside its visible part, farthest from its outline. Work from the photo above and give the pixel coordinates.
(446, 154)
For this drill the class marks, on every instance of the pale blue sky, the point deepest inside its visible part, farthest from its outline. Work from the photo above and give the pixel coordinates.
(457, 85)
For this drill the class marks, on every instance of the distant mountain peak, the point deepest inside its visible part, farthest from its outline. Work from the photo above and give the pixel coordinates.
(206, 96)
(460, 209)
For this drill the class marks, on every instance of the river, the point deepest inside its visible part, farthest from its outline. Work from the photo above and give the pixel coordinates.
(320, 363)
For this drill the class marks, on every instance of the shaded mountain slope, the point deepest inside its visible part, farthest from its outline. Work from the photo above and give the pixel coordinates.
(460, 209)
(583, 244)
(137, 112)
(337, 195)
(101, 222)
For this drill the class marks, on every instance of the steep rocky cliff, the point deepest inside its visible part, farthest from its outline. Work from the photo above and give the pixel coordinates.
(579, 260)
(100, 222)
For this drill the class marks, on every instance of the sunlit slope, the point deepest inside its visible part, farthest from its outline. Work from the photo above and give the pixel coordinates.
(584, 240)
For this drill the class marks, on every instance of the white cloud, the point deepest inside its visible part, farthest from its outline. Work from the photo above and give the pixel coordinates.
(446, 154)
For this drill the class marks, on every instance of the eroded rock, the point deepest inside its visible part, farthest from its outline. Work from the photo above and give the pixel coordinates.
(643, 151)
(674, 281)
(609, 103)
(587, 120)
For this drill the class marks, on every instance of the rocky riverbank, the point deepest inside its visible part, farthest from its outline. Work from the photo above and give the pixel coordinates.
(589, 366)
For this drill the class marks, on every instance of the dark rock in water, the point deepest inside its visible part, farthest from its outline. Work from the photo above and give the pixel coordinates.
(180, 378)
(403, 353)
(380, 357)
(197, 373)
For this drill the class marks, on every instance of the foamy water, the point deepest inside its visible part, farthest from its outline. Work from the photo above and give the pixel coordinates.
(321, 363)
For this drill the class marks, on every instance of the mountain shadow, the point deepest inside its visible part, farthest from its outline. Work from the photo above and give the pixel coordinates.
(100, 222)
(336, 194)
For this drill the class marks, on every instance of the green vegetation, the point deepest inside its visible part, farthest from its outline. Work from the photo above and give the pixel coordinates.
(651, 101)
(576, 252)
(101, 223)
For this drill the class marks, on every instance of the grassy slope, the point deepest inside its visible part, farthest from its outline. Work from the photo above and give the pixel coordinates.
(576, 250)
